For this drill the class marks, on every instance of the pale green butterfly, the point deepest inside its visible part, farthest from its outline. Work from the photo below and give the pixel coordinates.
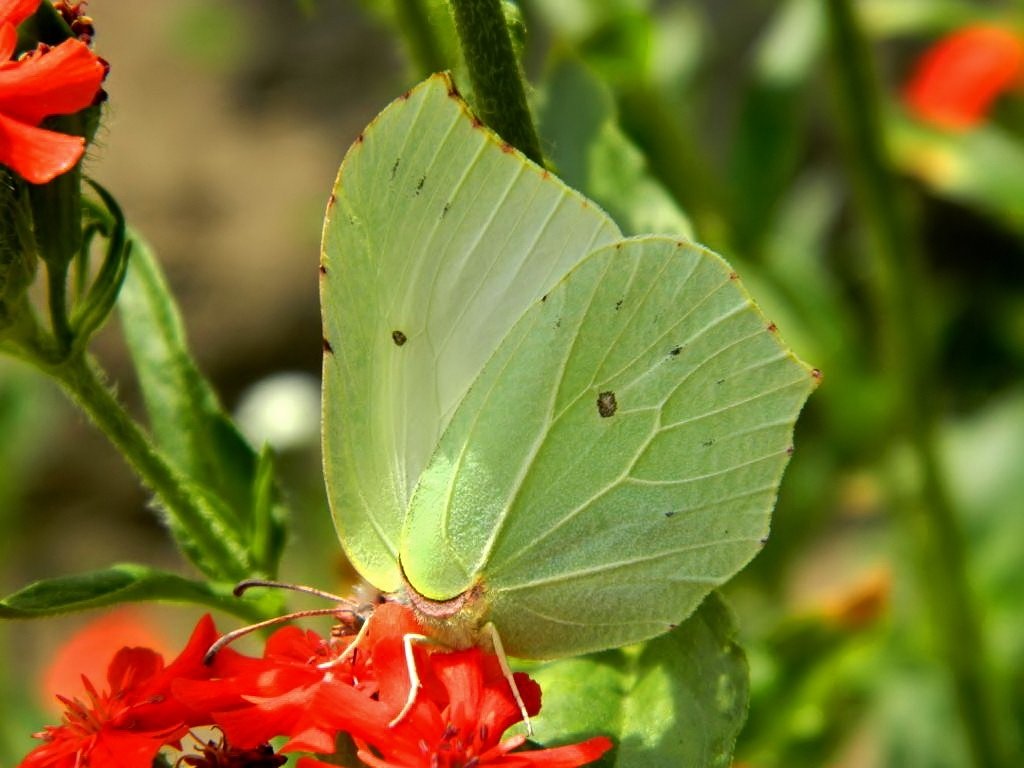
(530, 421)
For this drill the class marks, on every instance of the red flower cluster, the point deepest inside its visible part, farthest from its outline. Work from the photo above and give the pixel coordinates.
(48, 81)
(957, 80)
(308, 689)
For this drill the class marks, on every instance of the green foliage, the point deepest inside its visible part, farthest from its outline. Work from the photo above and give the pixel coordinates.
(678, 700)
(118, 584)
(188, 423)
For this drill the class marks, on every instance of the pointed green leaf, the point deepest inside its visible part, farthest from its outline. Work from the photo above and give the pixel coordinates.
(118, 584)
(678, 701)
(186, 417)
(580, 127)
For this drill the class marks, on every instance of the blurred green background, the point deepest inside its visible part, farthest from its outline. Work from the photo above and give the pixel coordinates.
(720, 118)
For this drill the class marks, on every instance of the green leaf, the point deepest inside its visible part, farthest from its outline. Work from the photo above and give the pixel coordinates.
(118, 584)
(186, 418)
(90, 314)
(578, 122)
(678, 701)
(438, 237)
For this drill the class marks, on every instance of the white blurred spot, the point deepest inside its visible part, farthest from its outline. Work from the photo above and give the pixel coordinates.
(282, 409)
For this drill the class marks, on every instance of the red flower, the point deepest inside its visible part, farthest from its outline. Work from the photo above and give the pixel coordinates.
(959, 78)
(127, 724)
(462, 710)
(87, 653)
(48, 81)
(286, 692)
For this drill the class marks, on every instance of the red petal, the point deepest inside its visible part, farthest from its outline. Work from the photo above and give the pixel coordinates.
(959, 78)
(569, 756)
(61, 81)
(131, 668)
(8, 42)
(16, 11)
(37, 155)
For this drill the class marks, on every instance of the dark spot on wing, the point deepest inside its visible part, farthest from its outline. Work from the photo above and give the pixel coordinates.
(763, 540)
(332, 200)
(772, 328)
(558, 323)
(405, 96)
(675, 351)
(394, 168)
(477, 122)
(708, 443)
(816, 374)
(670, 514)
(680, 243)
(328, 350)
(507, 148)
(359, 139)
(545, 174)
(789, 450)
(672, 626)
(543, 298)
(323, 269)
(618, 304)
(734, 276)
(606, 405)
(453, 91)
(420, 183)
(447, 207)
(399, 338)
(720, 381)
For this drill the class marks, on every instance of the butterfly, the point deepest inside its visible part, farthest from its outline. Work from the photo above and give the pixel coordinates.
(531, 422)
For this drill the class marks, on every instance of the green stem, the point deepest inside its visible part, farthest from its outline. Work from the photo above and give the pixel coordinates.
(424, 47)
(933, 531)
(56, 284)
(81, 379)
(499, 95)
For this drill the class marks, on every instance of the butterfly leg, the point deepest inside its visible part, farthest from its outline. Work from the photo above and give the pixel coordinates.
(506, 670)
(344, 655)
(414, 676)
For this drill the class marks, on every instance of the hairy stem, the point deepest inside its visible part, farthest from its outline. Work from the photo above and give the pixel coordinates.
(931, 525)
(221, 557)
(499, 95)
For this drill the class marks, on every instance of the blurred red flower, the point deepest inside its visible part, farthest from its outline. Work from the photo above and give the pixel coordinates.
(127, 723)
(87, 652)
(48, 81)
(958, 79)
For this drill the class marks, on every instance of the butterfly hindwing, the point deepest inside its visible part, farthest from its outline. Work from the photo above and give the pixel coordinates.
(617, 458)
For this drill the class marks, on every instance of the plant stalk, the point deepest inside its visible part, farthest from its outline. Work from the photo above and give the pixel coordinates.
(499, 94)
(82, 380)
(933, 531)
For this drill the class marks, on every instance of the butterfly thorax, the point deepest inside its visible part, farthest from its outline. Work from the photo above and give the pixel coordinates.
(456, 622)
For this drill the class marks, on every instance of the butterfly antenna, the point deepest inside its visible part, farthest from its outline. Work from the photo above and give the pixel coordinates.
(243, 586)
(506, 670)
(230, 637)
